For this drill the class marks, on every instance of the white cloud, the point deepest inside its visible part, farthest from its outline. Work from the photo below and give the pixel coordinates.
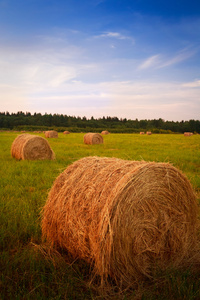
(194, 84)
(181, 56)
(40, 68)
(154, 100)
(51, 76)
(125, 99)
(159, 61)
(115, 35)
(59, 78)
(150, 62)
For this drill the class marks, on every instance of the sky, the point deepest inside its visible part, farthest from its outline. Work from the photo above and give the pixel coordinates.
(120, 58)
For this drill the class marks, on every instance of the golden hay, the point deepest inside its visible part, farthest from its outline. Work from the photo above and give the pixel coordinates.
(51, 134)
(188, 133)
(66, 132)
(105, 132)
(141, 132)
(31, 147)
(148, 133)
(93, 138)
(126, 218)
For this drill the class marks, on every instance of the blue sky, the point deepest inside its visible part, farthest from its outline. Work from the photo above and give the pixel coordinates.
(130, 59)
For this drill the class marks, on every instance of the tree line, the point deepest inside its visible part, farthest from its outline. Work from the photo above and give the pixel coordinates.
(37, 121)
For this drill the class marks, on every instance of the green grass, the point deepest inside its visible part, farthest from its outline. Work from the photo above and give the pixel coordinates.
(26, 273)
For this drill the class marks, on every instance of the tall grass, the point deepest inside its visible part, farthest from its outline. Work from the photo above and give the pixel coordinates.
(26, 273)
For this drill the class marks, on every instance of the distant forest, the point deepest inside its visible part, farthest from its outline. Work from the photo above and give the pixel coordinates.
(37, 121)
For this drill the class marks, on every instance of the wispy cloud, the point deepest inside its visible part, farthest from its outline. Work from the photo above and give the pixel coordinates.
(159, 61)
(179, 57)
(130, 99)
(194, 84)
(150, 62)
(37, 70)
(115, 35)
(57, 76)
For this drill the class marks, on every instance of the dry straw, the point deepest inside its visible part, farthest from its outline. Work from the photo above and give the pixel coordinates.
(188, 133)
(92, 138)
(51, 134)
(126, 218)
(105, 132)
(31, 147)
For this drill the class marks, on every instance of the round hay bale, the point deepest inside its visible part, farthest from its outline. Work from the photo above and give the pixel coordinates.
(51, 134)
(105, 132)
(188, 133)
(126, 218)
(93, 138)
(148, 133)
(66, 132)
(31, 147)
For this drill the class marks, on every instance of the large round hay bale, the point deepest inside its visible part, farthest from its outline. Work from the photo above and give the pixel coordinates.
(105, 132)
(126, 218)
(51, 134)
(31, 147)
(66, 132)
(93, 138)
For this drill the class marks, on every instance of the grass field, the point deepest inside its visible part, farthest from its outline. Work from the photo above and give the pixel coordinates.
(26, 271)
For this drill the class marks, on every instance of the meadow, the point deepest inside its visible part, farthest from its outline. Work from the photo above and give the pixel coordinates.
(29, 271)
